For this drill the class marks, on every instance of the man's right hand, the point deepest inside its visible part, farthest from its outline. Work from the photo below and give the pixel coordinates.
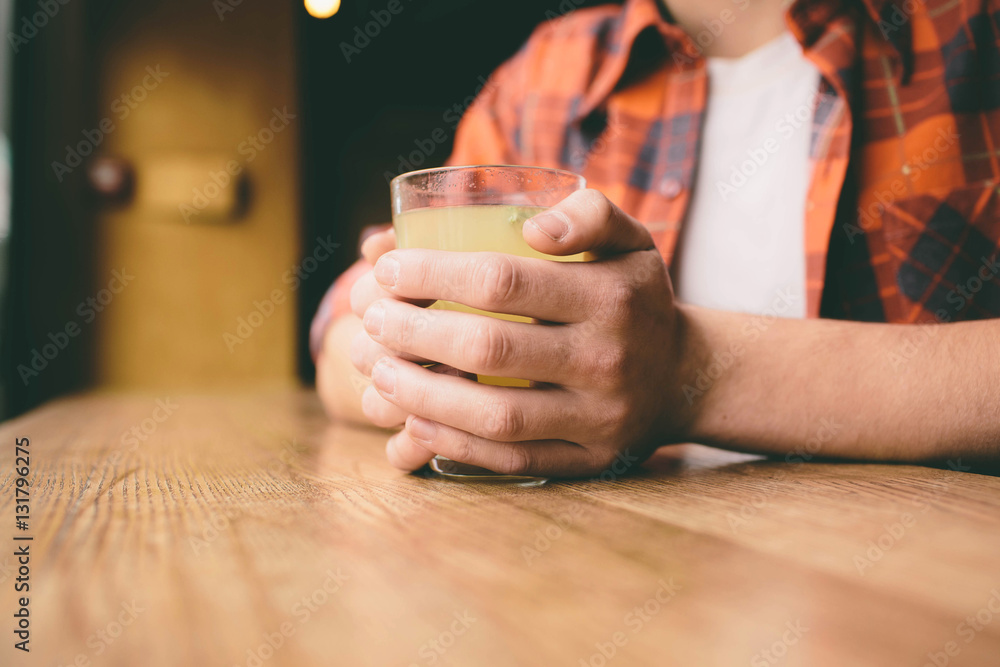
(364, 352)
(340, 386)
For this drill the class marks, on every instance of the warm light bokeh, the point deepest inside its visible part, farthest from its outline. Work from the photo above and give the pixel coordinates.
(322, 9)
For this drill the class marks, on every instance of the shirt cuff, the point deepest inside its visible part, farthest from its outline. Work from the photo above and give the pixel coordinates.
(336, 302)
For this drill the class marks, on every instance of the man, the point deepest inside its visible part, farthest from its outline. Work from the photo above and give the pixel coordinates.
(846, 168)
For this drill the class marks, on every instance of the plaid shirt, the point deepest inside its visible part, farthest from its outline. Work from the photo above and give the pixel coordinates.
(901, 219)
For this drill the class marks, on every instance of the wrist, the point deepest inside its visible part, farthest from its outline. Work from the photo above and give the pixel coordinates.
(697, 372)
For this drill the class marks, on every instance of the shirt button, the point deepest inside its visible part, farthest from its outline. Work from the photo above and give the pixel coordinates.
(670, 188)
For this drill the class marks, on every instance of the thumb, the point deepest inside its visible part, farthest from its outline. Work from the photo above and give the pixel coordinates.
(586, 221)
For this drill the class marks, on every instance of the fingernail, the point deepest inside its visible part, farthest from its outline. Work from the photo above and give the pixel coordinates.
(374, 317)
(384, 376)
(421, 430)
(554, 224)
(387, 271)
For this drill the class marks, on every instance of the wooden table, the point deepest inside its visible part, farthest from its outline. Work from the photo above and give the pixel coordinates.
(248, 530)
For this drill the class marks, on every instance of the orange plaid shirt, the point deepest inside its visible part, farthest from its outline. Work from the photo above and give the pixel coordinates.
(901, 221)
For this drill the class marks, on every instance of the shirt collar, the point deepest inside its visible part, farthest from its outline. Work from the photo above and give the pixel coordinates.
(619, 35)
(807, 20)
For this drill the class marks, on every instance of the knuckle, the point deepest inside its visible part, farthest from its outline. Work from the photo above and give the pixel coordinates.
(621, 300)
(499, 281)
(501, 420)
(581, 336)
(604, 459)
(487, 346)
(462, 450)
(611, 420)
(421, 319)
(609, 364)
(404, 332)
(600, 203)
(651, 267)
(515, 461)
(407, 325)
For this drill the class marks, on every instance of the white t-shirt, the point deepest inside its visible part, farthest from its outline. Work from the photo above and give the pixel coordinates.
(742, 247)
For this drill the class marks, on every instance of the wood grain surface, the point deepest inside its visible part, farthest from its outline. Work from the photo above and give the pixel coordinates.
(249, 530)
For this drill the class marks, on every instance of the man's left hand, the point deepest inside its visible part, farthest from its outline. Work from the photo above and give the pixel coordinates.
(604, 352)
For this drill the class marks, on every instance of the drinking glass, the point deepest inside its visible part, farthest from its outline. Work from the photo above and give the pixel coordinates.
(473, 209)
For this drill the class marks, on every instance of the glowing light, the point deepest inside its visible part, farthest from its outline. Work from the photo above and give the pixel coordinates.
(322, 9)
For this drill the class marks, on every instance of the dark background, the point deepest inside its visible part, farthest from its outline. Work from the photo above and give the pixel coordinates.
(357, 118)
(362, 115)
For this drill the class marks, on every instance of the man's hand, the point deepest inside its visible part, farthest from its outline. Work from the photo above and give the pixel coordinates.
(339, 385)
(603, 356)
(364, 351)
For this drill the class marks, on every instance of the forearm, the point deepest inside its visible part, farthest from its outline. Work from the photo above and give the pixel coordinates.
(843, 389)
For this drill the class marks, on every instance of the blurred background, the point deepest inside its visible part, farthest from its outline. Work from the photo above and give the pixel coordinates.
(181, 181)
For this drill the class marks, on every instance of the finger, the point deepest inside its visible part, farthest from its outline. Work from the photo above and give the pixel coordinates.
(365, 352)
(586, 221)
(377, 242)
(365, 290)
(549, 458)
(495, 282)
(405, 454)
(474, 343)
(506, 414)
(379, 411)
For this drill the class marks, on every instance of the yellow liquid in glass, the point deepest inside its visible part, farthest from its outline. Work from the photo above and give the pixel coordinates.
(493, 227)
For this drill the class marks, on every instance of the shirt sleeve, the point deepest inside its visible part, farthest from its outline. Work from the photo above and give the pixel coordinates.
(480, 138)
(336, 302)
(483, 136)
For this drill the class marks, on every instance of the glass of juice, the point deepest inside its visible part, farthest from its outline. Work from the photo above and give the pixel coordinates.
(474, 209)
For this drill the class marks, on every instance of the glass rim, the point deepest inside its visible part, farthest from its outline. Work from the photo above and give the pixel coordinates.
(551, 170)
